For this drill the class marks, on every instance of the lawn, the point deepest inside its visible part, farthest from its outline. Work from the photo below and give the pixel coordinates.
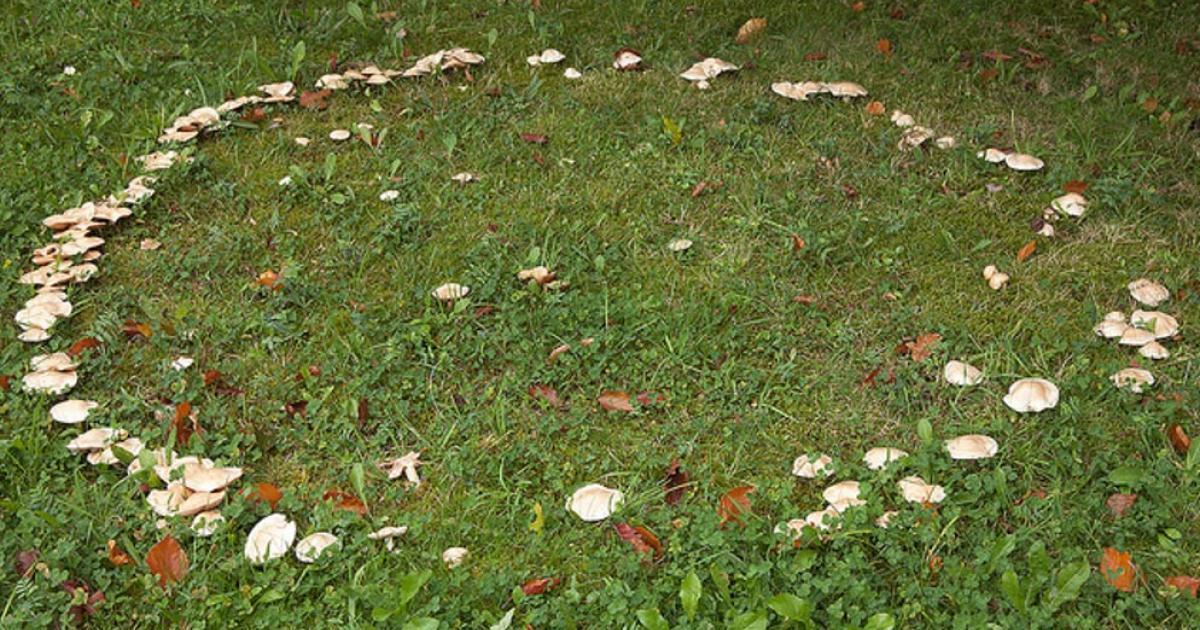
(801, 321)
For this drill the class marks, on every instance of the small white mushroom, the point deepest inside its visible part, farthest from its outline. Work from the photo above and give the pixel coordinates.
(206, 523)
(818, 519)
(679, 244)
(1162, 325)
(313, 545)
(707, 69)
(809, 468)
(885, 519)
(95, 439)
(1031, 395)
(1111, 328)
(463, 178)
(798, 91)
(200, 478)
(270, 539)
(845, 89)
(995, 156)
(1148, 292)
(900, 119)
(962, 374)
(842, 495)
(454, 556)
(1023, 162)
(879, 457)
(166, 502)
(451, 291)
(389, 195)
(627, 60)
(182, 363)
(1070, 204)
(72, 411)
(916, 490)
(108, 457)
(332, 82)
(995, 278)
(198, 502)
(1132, 379)
(945, 143)
(1154, 350)
(405, 465)
(339, 135)
(572, 73)
(547, 57)
(594, 502)
(388, 535)
(914, 137)
(972, 447)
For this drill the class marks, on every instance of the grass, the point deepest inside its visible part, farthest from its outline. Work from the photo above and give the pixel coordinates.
(750, 378)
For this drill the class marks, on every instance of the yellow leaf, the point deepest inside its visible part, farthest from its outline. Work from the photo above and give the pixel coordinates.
(539, 519)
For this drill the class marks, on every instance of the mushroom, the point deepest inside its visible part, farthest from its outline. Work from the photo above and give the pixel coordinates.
(454, 556)
(842, 495)
(1133, 379)
(916, 490)
(72, 411)
(809, 468)
(972, 447)
(572, 73)
(49, 381)
(388, 535)
(1162, 325)
(961, 374)
(451, 291)
(1031, 395)
(339, 135)
(540, 275)
(108, 457)
(378, 79)
(404, 465)
(270, 539)
(332, 82)
(198, 502)
(455, 58)
(900, 119)
(95, 439)
(817, 519)
(995, 278)
(1133, 336)
(945, 143)
(424, 66)
(1148, 292)
(798, 91)
(594, 502)
(206, 523)
(1023, 162)
(995, 156)
(167, 502)
(679, 245)
(278, 92)
(885, 519)
(879, 457)
(200, 478)
(1070, 204)
(627, 60)
(158, 160)
(33, 335)
(164, 469)
(313, 545)
(845, 89)
(1154, 350)
(707, 69)
(463, 178)
(914, 137)
(547, 57)
(1112, 326)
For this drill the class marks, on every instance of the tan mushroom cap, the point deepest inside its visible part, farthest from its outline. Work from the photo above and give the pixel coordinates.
(798, 91)
(914, 137)
(388, 535)
(332, 82)
(339, 135)
(879, 457)
(546, 57)
(1110, 328)
(679, 244)
(206, 523)
(845, 89)
(1023, 162)
(819, 518)
(972, 447)
(1031, 395)
(572, 73)
(810, 468)
(33, 335)
(594, 502)
(49, 381)
(841, 493)
(270, 539)
(1154, 350)
(1163, 326)
(463, 178)
(1133, 379)
(1148, 292)
(313, 545)
(900, 119)
(707, 69)
(885, 519)
(164, 469)
(200, 478)
(167, 502)
(916, 490)
(72, 411)
(451, 291)
(1134, 336)
(95, 439)
(1070, 204)
(627, 60)
(945, 143)
(961, 373)
(539, 274)
(454, 556)
(995, 156)
(108, 456)
(198, 502)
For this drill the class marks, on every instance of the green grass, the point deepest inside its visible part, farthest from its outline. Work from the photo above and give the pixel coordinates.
(751, 378)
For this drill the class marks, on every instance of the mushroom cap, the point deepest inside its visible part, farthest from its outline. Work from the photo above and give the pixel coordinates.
(1134, 336)
(990, 271)
(707, 69)
(1114, 316)
(914, 137)
(626, 60)
(1162, 325)
(1110, 329)
(900, 119)
(313, 545)
(200, 478)
(49, 381)
(972, 447)
(1154, 350)
(847, 89)
(879, 457)
(57, 361)
(33, 335)
(998, 281)
(338, 135)
(1148, 292)
(817, 519)
(463, 177)
(198, 502)
(72, 411)
(164, 469)
(808, 468)
(332, 82)
(108, 457)
(206, 523)
(917, 490)
(454, 556)
(95, 439)
(389, 195)
(451, 291)
(1070, 204)
(961, 374)
(167, 502)
(995, 156)
(1023, 162)
(551, 55)
(572, 73)
(885, 519)
(1031, 395)
(378, 79)
(945, 143)
(386, 533)
(270, 539)
(595, 502)
(1133, 379)
(841, 492)
(798, 91)
(679, 244)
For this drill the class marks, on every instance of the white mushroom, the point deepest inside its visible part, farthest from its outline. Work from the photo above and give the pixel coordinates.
(454, 556)
(1162, 325)
(108, 457)
(339, 135)
(95, 439)
(627, 60)
(707, 69)
(1023, 162)
(885, 519)
(810, 468)
(900, 119)
(1133, 379)
(463, 178)
(961, 374)
(389, 195)
(451, 291)
(1110, 328)
(547, 57)
(313, 545)
(1070, 204)
(1031, 395)
(332, 82)
(1154, 350)
(572, 73)
(798, 91)
(182, 363)
(595, 502)
(388, 535)
(879, 457)
(1133, 336)
(972, 447)
(72, 411)
(818, 519)
(49, 381)
(845, 89)
(405, 465)
(200, 478)
(206, 523)
(270, 539)
(995, 278)
(995, 156)
(1148, 292)
(945, 143)
(166, 502)
(916, 490)
(914, 137)
(198, 502)
(842, 495)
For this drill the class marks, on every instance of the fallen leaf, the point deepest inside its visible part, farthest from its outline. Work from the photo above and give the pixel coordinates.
(858, 7)
(675, 484)
(921, 348)
(185, 423)
(267, 492)
(797, 243)
(136, 330)
(884, 46)
(558, 350)
(539, 519)
(734, 503)
(269, 279)
(24, 562)
(988, 74)
(1117, 569)
(805, 299)
(649, 399)
(315, 100)
(703, 187)
(615, 401)
(534, 138)
(750, 31)
(254, 115)
(80, 346)
(641, 539)
(4, 382)
(850, 191)
(116, 555)
(299, 407)
(1076, 186)
(1184, 583)
(996, 55)
(1118, 503)
(345, 501)
(167, 561)
(81, 612)
(211, 376)
(1026, 251)
(364, 413)
(1149, 105)
(1179, 439)
(537, 586)
(875, 108)
(815, 56)
(896, 13)
(546, 393)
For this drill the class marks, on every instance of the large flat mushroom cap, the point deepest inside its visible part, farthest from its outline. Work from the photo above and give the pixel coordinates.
(961, 374)
(1163, 326)
(995, 156)
(595, 502)
(1023, 162)
(166, 502)
(1154, 350)
(972, 447)
(1148, 292)
(1133, 379)
(198, 502)
(313, 545)
(206, 523)
(879, 457)
(1070, 204)
(1134, 336)
(451, 291)
(200, 478)
(95, 439)
(841, 492)
(72, 411)
(1031, 395)
(49, 381)
(809, 468)
(270, 539)
(847, 89)
(916, 490)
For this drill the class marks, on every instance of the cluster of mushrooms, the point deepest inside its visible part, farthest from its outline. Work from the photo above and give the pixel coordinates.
(195, 486)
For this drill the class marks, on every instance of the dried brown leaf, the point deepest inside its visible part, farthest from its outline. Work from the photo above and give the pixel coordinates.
(733, 504)
(1118, 570)
(167, 561)
(750, 31)
(615, 400)
(1118, 503)
(1026, 251)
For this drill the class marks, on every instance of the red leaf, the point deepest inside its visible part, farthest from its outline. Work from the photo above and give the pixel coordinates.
(345, 501)
(211, 376)
(292, 409)
(254, 114)
(1027, 251)
(168, 561)
(534, 138)
(86, 343)
(615, 401)
(4, 382)
(537, 586)
(675, 485)
(875, 108)
(1179, 439)
(649, 399)
(1118, 570)
(1075, 186)
(996, 55)
(1118, 503)
(185, 423)
(734, 503)
(269, 279)
(135, 330)
(797, 243)
(815, 56)
(921, 349)
(641, 539)
(315, 100)
(267, 492)
(884, 46)
(24, 561)
(546, 393)
(116, 555)
(1185, 583)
